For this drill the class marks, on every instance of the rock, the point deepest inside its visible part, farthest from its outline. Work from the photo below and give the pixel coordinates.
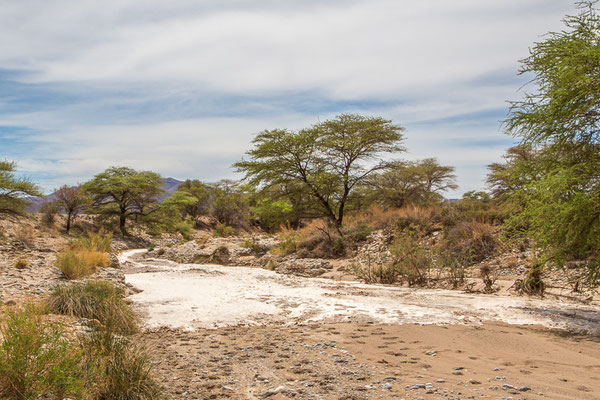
(524, 389)
(10, 303)
(474, 382)
(507, 387)
(386, 386)
(418, 386)
(114, 261)
(228, 388)
(459, 368)
(440, 381)
(273, 392)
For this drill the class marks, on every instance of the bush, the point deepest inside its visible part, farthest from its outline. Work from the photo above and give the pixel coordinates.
(474, 240)
(184, 228)
(487, 275)
(358, 232)
(533, 282)
(417, 219)
(101, 242)
(222, 230)
(49, 211)
(411, 261)
(376, 272)
(36, 361)
(98, 300)
(21, 263)
(126, 369)
(76, 264)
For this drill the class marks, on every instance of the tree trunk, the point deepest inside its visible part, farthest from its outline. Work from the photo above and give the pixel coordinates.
(122, 220)
(68, 222)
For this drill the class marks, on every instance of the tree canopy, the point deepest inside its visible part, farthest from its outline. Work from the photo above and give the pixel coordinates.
(326, 161)
(123, 192)
(554, 174)
(14, 190)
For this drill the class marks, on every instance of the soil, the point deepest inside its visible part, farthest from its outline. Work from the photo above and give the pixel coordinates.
(370, 361)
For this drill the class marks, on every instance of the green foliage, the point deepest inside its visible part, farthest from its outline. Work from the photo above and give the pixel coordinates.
(411, 260)
(126, 370)
(37, 361)
(325, 162)
(272, 214)
(72, 200)
(403, 183)
(94, 300)
(357, 232)
(14, 190)
(75, 264)
(201, 197)
(124, 192)
(558, 204)
(229, 205)
(471, 241)
(100, 241)
(222, 230)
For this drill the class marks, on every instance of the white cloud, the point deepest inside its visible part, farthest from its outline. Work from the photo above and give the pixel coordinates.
(422, 61)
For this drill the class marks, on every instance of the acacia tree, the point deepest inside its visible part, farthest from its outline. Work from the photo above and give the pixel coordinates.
(327, 161)
(404, 183)
(124, 192)
(560, 120)
(71, 200)
(201, 193)
(14, 190)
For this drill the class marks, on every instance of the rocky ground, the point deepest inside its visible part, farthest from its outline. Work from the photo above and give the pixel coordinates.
(367, 361)
(330, 360)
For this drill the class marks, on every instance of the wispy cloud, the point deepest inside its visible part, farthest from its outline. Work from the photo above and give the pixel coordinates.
(180, 87)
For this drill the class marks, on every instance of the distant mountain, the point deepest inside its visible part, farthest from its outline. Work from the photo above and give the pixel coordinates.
(170, 186)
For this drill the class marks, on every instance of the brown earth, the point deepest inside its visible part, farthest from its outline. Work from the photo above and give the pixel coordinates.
(364, 361)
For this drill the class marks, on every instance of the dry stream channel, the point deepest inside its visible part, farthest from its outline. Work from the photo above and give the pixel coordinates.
(191, 296)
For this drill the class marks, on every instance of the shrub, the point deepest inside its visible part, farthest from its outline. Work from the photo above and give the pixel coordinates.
(126, 369)
(288, 241)
(452, 265)
(417, 219)
(36, 360)
(49, 211)
(21, 263)
(160, 251)
(76, 264)
(220, 255)
(98, 300)
(184, 228)
(473, 239)
(487, 275)
(222, 230)
(376, 272)
(358, 232)
(412, 262)
(100, 242)
(252, 244)
(533, 282)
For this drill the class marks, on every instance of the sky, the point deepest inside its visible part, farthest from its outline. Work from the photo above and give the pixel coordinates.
(181, 87)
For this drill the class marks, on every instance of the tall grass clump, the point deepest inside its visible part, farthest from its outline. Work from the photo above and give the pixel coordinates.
(101, 242)
(84, 255)
(37, 361)
(95, 300)
(126, 370)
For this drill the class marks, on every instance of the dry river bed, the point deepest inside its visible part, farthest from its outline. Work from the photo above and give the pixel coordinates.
(248, 333)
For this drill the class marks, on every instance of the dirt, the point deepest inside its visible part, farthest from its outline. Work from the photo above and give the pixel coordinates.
(370, 361)
(278, 337)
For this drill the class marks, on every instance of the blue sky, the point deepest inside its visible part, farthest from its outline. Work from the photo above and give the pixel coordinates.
(181, 87)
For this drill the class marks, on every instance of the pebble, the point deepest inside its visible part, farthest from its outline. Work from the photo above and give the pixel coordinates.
(386, 386)
(524, 389)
